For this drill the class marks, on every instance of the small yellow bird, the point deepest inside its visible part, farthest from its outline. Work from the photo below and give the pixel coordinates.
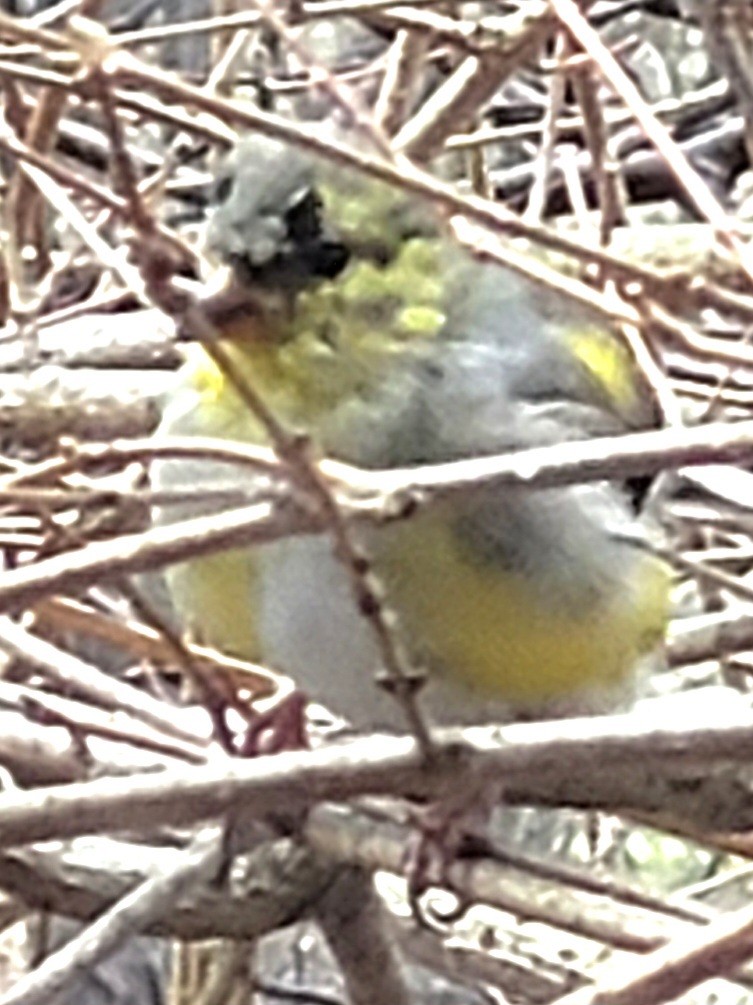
(390, 345)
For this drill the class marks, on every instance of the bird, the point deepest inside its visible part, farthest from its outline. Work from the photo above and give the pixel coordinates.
(363, 324)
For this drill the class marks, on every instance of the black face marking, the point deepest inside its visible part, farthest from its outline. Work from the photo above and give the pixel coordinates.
(308, 251)
(330, 259)
(304, 219)
(223, 189)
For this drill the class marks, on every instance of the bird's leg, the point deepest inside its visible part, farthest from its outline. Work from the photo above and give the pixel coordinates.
(445, 831)
(282, 727)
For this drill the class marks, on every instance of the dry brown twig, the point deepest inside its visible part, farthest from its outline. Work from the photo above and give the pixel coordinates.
(476, 59)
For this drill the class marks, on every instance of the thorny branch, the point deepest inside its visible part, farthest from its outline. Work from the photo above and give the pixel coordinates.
(74, 517)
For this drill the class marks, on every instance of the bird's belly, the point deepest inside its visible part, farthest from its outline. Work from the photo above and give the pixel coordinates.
(485, 626)
(491, 649)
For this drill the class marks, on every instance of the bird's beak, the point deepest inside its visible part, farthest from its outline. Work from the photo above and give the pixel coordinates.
(234, 311)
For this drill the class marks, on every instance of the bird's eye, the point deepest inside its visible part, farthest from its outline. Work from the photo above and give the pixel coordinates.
(304, 220)
(223, 189)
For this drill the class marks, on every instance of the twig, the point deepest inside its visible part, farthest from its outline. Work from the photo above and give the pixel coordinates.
(687, 176)
(543, 163)
(146, 36)
(407, 177)
(277, 881)
(456, 101)
(402, 75)
(87, 680)
(26, 207)
(381, 765)
(610, 191)
(687, 961)
(100, 249)
(342, 96)
(82, 721)
(355, 923)
(392, 492)
(40, 755)
(152, 899)
(59, 615)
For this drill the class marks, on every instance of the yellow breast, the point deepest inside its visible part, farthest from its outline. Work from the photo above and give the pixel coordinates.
(487, 626)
